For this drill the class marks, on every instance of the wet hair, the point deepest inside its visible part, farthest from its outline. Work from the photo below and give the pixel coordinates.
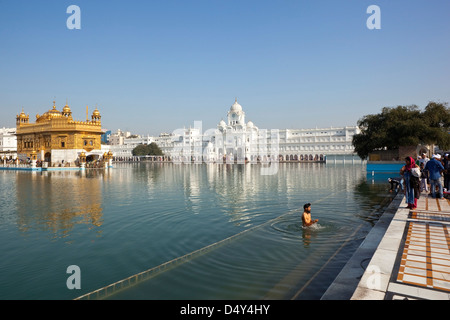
(306, 205)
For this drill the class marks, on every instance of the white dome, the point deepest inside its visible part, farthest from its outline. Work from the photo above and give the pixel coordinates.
(222, 123)
(250, 124)
(236, 107)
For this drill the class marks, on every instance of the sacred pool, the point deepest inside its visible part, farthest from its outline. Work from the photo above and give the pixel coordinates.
(183, 231)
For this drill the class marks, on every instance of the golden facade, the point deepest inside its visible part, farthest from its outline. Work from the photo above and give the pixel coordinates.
(56, 137)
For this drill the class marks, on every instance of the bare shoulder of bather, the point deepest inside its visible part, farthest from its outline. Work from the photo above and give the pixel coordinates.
(306, 219)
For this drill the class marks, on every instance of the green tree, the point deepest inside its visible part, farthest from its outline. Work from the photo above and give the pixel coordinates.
(140, 150)
(403, 126)
(144, 150)
(437, 117)
(154, 150)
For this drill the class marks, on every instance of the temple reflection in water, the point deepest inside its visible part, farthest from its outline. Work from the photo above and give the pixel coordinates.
(65, 199)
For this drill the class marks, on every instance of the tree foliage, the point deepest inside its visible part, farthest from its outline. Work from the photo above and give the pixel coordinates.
(403, 126)
(151, 149)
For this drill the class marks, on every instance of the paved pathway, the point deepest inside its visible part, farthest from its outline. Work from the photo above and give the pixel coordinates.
(412, 261)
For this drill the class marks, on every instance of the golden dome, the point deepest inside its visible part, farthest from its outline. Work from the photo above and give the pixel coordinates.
(53, 110)
(22, 115)
(96, 113)
(53, 113)
(22, 118)
(96, 116)
(66, 109)
(50, 114)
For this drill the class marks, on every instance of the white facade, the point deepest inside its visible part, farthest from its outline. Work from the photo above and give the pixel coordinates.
(313, 144)
(118, 138)
(122, 147)
(8, 142)
(239, 141)
(165, 142)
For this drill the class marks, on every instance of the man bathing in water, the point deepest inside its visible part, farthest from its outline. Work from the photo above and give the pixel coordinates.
(306, 217)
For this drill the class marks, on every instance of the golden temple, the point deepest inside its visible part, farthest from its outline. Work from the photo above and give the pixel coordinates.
(56, 138)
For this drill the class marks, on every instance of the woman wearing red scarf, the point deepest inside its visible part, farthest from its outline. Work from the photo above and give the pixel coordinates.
(412, 182)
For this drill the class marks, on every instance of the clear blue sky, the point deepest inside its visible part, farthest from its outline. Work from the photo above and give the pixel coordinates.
(155, 66)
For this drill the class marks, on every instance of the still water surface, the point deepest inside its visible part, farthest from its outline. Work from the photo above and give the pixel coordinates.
(118, 222)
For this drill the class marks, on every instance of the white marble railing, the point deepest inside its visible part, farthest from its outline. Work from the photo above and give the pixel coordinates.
(13, 165)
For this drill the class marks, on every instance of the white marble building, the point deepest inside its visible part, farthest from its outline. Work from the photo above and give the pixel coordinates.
(125, 148)
(8, 142)
(238, 140)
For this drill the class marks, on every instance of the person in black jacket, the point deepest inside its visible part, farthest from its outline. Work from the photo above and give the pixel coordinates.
(424, 175)
(395, 184)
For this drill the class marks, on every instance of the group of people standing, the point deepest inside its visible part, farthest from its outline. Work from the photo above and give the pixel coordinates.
(417, 175)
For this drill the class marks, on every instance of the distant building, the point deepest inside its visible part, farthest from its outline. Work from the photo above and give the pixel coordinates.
(118, 138)
(57, 137)
(8, 143)
(106, 136)
(124, 147)
(238, 140)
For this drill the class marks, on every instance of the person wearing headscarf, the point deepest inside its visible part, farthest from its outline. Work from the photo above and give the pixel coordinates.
(412, 182)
